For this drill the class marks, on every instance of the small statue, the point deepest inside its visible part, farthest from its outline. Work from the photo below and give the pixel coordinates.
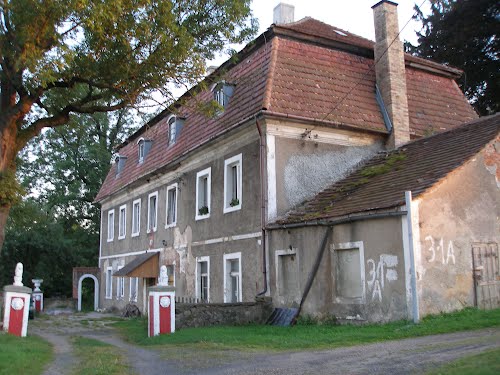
(163, 279)
(18, 275)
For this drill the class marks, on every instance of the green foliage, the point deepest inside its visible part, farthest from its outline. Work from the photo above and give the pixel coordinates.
(308, 336)
(47, 249)
(69, 164)
(485, 363)
(23, 355)
(11, 191)
(464, 34)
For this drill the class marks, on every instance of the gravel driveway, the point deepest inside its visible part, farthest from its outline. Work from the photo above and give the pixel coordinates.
(409, 356)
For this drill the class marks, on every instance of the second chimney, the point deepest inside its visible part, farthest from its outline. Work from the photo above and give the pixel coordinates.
(283, 13)
(390, 70)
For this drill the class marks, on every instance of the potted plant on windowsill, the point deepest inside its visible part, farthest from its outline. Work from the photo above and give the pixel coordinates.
(234, 202)
(203, 210)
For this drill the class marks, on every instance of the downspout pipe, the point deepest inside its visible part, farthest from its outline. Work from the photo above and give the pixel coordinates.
(313, 273)
(263, 200)
(413, 272)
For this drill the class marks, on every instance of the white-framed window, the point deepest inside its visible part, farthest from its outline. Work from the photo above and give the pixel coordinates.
(141, 149)
(134, 288)
(232, 184)
(122, 222)
(172, 130)
(111, 225)
(120, 286)
(171, 206)
(203, 278)
(136, 217)
(232, 278)
(152, 212)
(348, 265)
(203, 187)
(109, 283)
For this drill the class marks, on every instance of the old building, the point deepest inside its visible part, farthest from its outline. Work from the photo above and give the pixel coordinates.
(367, 234)
(298, 109)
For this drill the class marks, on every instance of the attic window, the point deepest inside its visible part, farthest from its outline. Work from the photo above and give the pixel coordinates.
(140, 143)
(340, 32)
(120, 163)
(174, 128)
(143, 147)
(222, 93)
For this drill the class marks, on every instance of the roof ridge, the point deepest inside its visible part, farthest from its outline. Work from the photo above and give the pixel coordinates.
(266, 102)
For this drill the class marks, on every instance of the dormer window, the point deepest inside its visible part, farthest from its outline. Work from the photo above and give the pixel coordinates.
(141, 150)
(120, 163)
(223, 92)
(174, 128)
(143, 147)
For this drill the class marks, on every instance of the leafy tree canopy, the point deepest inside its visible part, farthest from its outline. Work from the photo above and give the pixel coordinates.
(61, 57)
(68, 165)
(47, 248)
(464, 34)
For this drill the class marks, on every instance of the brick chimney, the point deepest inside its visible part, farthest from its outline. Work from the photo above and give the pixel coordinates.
(283, 13)
(390, 71)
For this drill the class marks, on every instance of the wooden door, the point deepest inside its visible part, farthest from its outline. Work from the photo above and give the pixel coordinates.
(485, 265)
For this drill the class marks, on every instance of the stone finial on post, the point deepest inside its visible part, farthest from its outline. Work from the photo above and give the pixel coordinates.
(161, 306)
(17, 305)
(37, 295)
(18, 275)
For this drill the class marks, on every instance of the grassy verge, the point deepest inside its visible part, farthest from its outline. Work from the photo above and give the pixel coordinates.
(309, 336)
(23, 355)
(486, 363)
(98, 358)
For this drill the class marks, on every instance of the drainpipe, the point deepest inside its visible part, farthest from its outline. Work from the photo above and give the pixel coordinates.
(262, 153)
(313, 273)
(414, 295)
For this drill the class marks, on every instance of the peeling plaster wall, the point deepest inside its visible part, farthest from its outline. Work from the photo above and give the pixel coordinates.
(305, 167)
(382, 278)
(220, 233)
(462, 210)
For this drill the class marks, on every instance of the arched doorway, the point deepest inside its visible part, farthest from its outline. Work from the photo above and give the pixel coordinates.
(96, 291)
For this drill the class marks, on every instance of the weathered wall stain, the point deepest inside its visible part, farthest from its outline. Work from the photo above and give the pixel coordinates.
(492, 160)
(306, 174)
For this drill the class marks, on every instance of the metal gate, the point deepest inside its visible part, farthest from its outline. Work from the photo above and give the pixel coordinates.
(485, 265)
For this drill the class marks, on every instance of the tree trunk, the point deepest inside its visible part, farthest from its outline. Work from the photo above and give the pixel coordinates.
(8, 152)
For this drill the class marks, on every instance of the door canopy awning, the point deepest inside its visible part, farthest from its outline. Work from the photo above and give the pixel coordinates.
(145, 265)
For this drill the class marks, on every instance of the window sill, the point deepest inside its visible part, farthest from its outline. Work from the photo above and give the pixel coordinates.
(202, 217)
(122, 238)
(232, 208)
(171, 225)
(135, 234)
(110, 240)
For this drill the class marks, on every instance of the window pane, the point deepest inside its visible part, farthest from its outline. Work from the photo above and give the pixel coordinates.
(234, 178)
(171, 214)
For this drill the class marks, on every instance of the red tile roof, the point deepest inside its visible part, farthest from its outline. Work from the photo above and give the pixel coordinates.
(381, 182)
(306, 69)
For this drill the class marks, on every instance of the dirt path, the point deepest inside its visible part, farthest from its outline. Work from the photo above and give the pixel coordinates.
(415, 356)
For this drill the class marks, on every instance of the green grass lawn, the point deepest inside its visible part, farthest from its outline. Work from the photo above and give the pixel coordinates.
(97, 358)
(486, 363)
(260, 337)
(23, 355)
